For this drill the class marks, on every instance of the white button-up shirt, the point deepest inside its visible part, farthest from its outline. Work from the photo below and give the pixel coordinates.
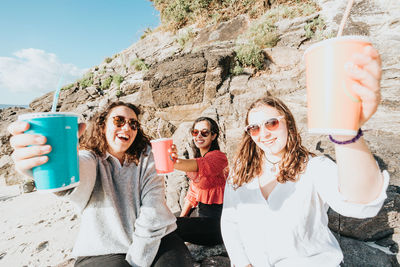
(291, 227)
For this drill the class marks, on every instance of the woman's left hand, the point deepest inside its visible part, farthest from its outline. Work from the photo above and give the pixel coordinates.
(366, 69)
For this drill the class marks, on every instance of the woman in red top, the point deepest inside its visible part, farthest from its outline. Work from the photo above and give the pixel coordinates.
(207, 172)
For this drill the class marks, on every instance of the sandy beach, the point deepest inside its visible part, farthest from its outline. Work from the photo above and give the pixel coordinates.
(37, 229)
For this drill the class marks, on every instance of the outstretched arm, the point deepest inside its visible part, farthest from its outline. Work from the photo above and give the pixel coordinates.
(360, 180)
(186, 165)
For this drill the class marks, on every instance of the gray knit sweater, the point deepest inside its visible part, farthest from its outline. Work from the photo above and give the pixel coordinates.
(123, 208)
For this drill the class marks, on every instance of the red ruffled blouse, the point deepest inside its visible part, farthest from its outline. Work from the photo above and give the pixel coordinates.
(208, 183)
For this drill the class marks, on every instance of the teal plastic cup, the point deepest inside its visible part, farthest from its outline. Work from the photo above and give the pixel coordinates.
(61, 172)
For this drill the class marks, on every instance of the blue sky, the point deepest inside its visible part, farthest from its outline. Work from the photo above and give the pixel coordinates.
(41, 39)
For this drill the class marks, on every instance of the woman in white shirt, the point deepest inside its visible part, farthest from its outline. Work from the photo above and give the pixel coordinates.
(278, 193)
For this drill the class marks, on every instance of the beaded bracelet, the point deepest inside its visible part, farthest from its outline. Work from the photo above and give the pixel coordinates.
(353, 140)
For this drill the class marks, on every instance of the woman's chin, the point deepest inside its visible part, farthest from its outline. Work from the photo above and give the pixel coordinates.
(199, 146)
(120, 148)
(272, 151)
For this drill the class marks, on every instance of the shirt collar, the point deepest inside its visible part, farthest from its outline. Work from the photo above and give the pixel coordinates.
(108, 155)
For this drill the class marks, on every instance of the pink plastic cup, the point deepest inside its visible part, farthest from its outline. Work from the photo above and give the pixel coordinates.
(163, 161)
(333, 108)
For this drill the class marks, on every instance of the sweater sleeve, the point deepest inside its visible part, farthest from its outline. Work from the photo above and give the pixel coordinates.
(230, 231)
(325, 178)
(154, 220)
(87, 177)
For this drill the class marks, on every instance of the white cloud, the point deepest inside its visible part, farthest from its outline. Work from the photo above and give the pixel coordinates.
(35, 71)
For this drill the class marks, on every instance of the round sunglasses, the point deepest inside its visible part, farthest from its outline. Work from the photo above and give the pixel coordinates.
(203, 132)
(120, 121)
(270, 124)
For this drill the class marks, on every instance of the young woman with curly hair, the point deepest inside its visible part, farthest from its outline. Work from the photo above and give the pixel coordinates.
(124, 217)
(278, 193)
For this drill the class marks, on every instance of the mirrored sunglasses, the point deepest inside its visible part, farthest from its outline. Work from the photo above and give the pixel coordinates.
(120, 121)
(271, 125)
(203, 132)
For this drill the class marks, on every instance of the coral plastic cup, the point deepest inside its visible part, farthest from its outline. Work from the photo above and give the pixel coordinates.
(333, 108)
(163, 161)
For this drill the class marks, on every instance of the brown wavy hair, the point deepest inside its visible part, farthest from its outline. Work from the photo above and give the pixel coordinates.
(249, 158)
(95, 138)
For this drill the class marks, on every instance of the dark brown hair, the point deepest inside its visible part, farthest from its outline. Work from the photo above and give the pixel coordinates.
(249, 158)
(95, 139)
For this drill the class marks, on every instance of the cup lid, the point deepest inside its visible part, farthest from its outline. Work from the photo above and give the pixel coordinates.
(160, 139)
(46, 115)
(359, 38)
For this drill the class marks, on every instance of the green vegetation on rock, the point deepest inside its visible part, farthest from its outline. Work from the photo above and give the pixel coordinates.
(67, 87)
(249, 55)
(176, 14)
(263, 33)
(118, 93)
(146, 32)
(315, 29)
(106, 83)
(237, 69)
(117, 80)
(139, 64)
(103, 70)
(87, 80)
(185, 37)
(291, 10)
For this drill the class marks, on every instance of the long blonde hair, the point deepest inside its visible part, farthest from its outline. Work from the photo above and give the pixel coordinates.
(249, 158)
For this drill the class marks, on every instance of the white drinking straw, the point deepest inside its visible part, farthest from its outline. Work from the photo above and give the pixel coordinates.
(57, 94)
(344, 18)
(158, 128)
